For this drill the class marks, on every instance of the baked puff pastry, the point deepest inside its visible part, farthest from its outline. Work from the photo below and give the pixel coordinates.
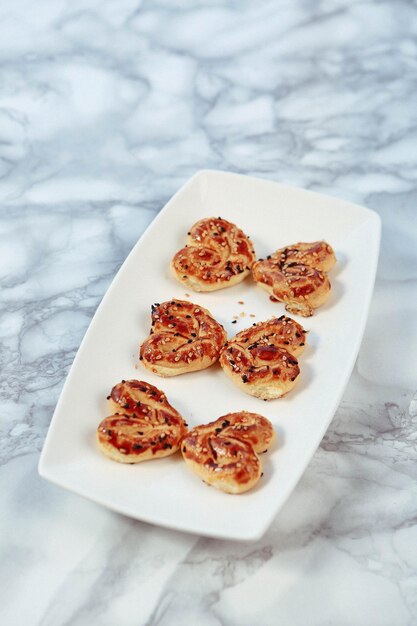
(143, 425)
(297, 276)
(217, 255)
(184, 338)
(224, 453)
(261, 360)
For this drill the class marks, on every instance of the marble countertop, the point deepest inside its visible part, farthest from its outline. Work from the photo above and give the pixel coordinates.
(106, 108)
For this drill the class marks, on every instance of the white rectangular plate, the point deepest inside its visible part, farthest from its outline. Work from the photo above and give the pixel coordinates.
(164, 492)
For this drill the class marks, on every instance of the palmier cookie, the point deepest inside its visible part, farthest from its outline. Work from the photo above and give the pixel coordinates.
(261, 360)
(217, 255)
(184, 338)
(297, 276)
(143, 425)
(224, 453)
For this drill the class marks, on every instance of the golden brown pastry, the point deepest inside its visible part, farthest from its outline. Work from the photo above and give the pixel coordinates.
(224, 453)
(297, 276)
(261, 360)
(143, 425)
(218, 254)
(184, 338)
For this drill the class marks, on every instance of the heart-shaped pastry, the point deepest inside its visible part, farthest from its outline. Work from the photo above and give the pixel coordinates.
(184, 338)
(261, 360)
(217, 255)
(297, 276)
(143, 425)
(224, 453)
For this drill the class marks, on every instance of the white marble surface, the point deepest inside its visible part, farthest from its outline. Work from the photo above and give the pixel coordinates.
(105, 109)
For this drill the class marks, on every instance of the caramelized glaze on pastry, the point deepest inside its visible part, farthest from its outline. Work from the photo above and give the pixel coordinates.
(296, 275)
(217, 255)
(261, 360)
(143, 424)
(224, 453)
(184, 338)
